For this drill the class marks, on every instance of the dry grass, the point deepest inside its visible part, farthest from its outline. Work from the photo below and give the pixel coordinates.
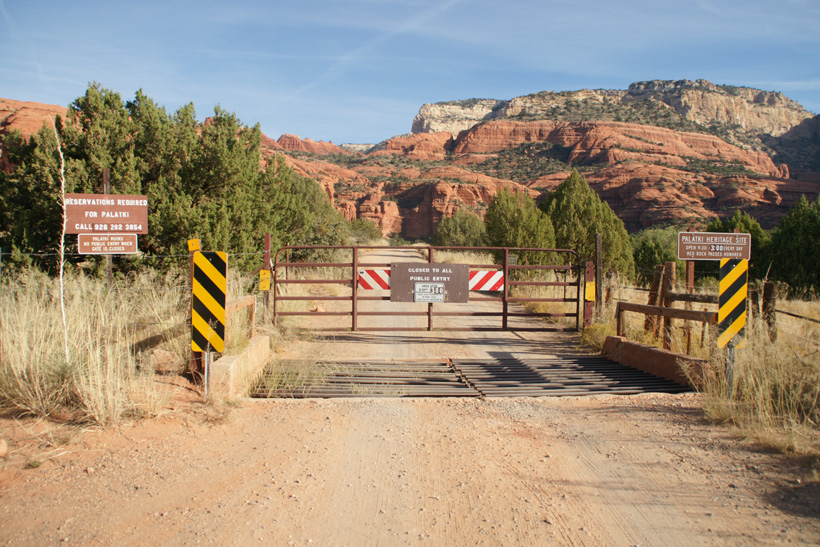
(105, 379)
(462, 257)
(527, 291)
(292, 376)
(773, 393)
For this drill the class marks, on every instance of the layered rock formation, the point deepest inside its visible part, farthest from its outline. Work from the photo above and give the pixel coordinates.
(292, 143)
(649, 175)
(613, 142)
(661, 152)
(706, 103)
(455, 116)
(700, 102)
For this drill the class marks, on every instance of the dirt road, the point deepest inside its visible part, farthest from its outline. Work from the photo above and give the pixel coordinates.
(597, 470)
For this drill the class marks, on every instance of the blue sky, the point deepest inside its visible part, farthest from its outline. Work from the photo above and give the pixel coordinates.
(358, 70)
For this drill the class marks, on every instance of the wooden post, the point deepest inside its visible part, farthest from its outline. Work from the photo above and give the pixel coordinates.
(266, 266)
(599, 247)
(109, 266)
(769, 308)
(690, 276)
(670, 280)
(690, 288)
(654, 290)
(589, 303)
(753, 304)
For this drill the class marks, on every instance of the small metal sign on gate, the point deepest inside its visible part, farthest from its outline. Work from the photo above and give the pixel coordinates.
(429, 292)
(431, 283)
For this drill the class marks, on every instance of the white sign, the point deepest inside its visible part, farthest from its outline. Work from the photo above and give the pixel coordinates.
(428, 292)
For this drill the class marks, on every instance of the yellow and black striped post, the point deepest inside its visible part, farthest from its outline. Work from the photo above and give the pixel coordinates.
(208, 305)
(732, 301)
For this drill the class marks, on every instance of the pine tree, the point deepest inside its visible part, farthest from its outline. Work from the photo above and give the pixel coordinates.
(796, 247)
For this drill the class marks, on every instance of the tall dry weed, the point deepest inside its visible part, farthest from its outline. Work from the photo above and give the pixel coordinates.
(771, 391)
(102, 382)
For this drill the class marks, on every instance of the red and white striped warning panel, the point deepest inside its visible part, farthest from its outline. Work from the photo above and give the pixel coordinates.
(480, 280)
(486, 280)
(374, 279)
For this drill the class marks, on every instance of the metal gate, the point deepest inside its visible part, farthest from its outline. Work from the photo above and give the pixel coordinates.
(518, 278)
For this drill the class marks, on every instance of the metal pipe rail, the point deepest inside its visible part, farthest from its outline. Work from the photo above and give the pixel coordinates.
(349, 278)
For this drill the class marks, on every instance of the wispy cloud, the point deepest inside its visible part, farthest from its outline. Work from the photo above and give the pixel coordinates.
(354, 56)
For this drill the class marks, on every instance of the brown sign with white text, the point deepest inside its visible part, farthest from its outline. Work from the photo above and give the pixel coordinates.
(107, 244)
(713, 246)
(106, 213)
(430, 283)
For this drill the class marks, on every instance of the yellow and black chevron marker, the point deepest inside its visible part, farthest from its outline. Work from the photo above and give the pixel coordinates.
(208, 305)
(734, 275)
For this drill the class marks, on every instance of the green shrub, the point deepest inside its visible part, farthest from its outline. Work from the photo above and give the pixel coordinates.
(364, 230)
(463, 229)
(513, 220)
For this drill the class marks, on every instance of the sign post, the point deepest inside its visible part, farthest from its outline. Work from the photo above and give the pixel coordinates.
(734, 251)
(208, 305)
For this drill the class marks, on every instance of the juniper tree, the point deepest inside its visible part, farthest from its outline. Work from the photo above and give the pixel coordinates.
(513, 220)
(577, 213)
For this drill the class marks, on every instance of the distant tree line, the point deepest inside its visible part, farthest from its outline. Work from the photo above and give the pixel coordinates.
(569, 218)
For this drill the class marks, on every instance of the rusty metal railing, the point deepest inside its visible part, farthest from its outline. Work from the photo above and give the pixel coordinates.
(286, 265)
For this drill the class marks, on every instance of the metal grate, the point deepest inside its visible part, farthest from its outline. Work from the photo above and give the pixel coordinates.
(364, 379)
(559, 376)
(565, 375)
